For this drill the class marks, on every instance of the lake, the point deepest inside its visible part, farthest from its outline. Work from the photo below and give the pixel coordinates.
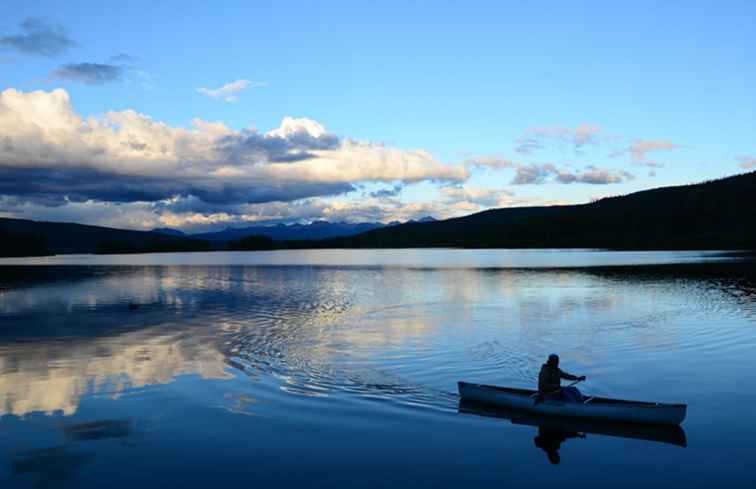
(339, 368)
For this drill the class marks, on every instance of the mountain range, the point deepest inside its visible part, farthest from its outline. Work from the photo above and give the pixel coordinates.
(287, 232)
(718, 214)
(290, 232)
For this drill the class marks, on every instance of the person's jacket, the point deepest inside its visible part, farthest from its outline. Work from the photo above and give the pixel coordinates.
(549, 379)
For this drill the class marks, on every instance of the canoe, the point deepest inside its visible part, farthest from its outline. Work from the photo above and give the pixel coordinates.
(660, 433)
(592, 408)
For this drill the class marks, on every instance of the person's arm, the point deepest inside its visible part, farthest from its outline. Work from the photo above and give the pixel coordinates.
(567, 376)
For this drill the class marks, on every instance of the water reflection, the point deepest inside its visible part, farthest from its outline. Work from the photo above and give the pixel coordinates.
(395, 334)
(52, 376)
(553, 431)
(222, 361)
(550, 441)
(98, 430)
(52, 466)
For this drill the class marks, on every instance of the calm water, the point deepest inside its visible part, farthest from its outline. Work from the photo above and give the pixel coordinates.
(339, 369)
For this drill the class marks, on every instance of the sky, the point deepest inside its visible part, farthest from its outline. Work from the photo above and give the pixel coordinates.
(203, 115)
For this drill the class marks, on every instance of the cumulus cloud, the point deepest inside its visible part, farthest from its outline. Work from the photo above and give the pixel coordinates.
(89, 73)
(38, 37)
(49, 153)
(534, 138)
(640, 149)
(230, 91)
(747, 162)
(293, 141)
(541, 173)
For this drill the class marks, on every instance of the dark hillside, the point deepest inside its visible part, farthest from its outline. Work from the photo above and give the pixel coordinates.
(20, 237)
(710, 215)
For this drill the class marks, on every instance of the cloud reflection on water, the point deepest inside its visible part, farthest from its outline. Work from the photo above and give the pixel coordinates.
(53, 376)
(382, 333)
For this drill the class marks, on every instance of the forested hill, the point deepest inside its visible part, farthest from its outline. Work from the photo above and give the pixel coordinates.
(718, 214)
(20, 237)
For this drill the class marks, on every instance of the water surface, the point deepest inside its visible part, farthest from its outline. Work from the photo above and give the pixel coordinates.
(339, 369)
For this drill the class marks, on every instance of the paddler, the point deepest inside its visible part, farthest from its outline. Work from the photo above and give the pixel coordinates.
(549, 381)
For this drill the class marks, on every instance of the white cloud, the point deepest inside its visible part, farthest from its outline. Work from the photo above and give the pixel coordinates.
(230, 91)
(292, 126)
(49, 151)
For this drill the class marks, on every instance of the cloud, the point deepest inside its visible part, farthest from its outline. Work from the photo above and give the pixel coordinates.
(38, 37)
(492, 162)
(386, 193)
(584, 134)
(89, 73)
(193, 215)
(539, 174)
(527, 145)
(230, 91)
(579, 136)
(144, 79)
(295, 140)
(52, 155)
(533, 174)
(478, 196)
(640, 149)
(118, 68)
(747, 162)
(122, 58)
(598, 176)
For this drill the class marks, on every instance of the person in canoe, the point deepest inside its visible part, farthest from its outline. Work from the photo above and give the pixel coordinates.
(550, 385)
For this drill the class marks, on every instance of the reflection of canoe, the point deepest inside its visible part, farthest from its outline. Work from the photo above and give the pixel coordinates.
(593, 407)
(671, 434)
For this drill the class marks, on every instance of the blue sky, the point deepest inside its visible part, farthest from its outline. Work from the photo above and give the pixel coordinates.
(453, 108)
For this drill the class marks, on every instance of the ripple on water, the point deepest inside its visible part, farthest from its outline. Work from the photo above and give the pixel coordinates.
(402, 337)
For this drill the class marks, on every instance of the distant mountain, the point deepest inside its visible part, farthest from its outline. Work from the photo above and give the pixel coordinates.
(412, 221)
(169, 231)
(718, 214)
(425, 219)
(291, 232)
(20, 237)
